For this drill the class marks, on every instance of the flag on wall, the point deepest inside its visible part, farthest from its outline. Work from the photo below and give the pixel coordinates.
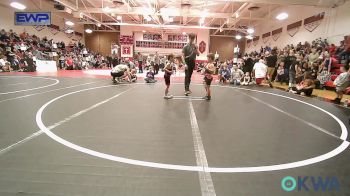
(313, 22)
(293, 28)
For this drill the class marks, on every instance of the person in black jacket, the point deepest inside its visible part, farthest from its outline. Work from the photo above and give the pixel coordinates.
(290, 65)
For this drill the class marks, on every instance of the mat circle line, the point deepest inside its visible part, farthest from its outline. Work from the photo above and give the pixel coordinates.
(343, 146)
(30, 89)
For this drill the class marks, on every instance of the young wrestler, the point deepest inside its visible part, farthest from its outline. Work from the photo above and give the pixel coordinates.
(168, 70)
(209, 70)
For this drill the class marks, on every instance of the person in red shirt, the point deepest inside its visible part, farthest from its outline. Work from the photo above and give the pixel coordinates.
(69, 63)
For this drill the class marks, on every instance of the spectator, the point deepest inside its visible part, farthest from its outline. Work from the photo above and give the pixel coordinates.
(341, 82)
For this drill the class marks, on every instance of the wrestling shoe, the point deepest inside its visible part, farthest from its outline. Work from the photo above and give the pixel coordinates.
(187, 93)
(207, 98)
(168, 96)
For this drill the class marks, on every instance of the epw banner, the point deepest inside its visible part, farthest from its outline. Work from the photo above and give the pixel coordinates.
(32, 18)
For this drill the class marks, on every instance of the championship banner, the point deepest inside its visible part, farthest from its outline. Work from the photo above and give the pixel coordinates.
(114, 48)
(256, 40)
(249, 43)
(78, 36)
(126, 40)
(39, 27)
(126, 50)
(276, 33)
(313, 22)
(266, 37)
(293, 28)
(54, 29)
(202, 46)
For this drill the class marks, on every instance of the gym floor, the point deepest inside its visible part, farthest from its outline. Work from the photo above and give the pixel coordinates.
(85, 136)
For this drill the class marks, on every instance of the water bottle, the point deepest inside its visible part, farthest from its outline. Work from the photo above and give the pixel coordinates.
(346, 101)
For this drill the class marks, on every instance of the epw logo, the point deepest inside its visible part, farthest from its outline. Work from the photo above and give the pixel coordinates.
(32, 18)
(310, 183)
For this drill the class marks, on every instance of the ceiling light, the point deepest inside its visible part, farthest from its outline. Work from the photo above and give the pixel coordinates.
(205, 13)
(221, 30)
(17, 5)
(143, 31)
(88, 31)
(250, 30)
(113, 14)
(119, 17)
(184, 33)
(282, 16)
(238, 37)
(106, 9)
(69, 23)
(249, 37)
(69, 31)
(98, 24)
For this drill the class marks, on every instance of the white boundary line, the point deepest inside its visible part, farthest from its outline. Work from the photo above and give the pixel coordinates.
(56, 82)
(290, 115)
(20, 97)
(205, 180)
(284, 166)
(14, 84)
(37, 133)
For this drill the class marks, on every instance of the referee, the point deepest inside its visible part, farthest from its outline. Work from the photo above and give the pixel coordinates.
(189, 53)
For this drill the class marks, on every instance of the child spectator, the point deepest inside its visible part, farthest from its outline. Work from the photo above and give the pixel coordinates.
(150, 76)
(133, 76)
(224, 74)
(280, 73)
(246, 79)
(341, 83)
(305, 87)
(236, 75)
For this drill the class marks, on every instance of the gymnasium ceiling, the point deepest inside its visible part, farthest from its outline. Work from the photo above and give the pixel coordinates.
(218, 15)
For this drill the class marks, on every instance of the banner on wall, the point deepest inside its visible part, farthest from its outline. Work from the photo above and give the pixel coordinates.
(114, 48)
(293, 28)
(256, 40)
(313, 22)
(39, 27)
(202, 46)
(126, 40)
(249, 43)
(54, 29)
(126, 51)
(276, 33)
(32, 18)
(266, 37)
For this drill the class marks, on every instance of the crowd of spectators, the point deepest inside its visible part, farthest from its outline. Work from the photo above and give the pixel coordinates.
(19, 52)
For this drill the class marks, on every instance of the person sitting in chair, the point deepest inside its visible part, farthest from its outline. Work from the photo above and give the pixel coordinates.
(120, 72)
